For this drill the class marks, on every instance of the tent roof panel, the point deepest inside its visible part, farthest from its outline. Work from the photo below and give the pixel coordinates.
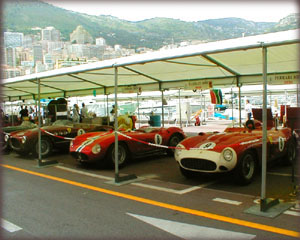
(214, 60)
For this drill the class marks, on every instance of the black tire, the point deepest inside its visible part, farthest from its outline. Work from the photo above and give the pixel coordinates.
(291, 154)
(5, 147)
(46, 147)
(174, 140)
(246, 168)
(122, 152)
(187, 173)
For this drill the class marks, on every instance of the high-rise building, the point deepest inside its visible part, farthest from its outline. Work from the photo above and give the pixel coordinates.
(100, 41)
(13, 39)
(80, 36)
(50, 34)
(37, 53)
(48, 61)
(10, 56)
(28, 41)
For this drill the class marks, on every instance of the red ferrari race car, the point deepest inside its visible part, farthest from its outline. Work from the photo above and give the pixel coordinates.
(237, 149)
(99, 146)
(6, 131)
(58, 135)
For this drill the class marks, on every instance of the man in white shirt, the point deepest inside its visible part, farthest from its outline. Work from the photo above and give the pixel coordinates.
(84, 111)
(248, 109)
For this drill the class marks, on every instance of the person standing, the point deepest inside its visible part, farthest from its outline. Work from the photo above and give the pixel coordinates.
(24, 112)
(84, 111)
(76, 116)
(248, 109)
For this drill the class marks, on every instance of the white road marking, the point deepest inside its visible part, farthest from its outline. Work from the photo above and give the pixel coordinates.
(169, 190)
(222, 200)
(282, 174)
(85, 173)
(190, 231)
(293, 213)
(183, 191)
(8, 226)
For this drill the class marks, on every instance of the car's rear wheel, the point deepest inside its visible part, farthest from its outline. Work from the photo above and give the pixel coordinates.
(46, 147)
(122, 155)
(246, 168)
(291, 153)
(174, 140)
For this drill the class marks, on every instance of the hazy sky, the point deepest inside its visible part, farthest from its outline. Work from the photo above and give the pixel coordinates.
(255, 10)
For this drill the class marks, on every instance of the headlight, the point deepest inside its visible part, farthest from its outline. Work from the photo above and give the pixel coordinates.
(96, 149)
(6, 137)
(228, 154)
(24, 139)
(178, 149)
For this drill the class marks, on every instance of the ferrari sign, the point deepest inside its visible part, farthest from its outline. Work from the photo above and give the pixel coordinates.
(130, 89)
(289, 78)
(199, 85)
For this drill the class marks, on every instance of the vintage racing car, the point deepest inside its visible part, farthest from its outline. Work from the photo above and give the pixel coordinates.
(99, 146)
(58, 135)
(237, 149)
(5, 132)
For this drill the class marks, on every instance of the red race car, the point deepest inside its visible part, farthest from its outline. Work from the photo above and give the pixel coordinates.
(237, 149)
(99, 146)
(58, 135)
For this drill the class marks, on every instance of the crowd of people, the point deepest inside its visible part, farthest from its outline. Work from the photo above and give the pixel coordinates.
(29, 113)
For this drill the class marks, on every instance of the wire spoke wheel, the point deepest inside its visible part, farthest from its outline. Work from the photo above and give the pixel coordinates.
(46, 147)
(248, 166)
(122, 155)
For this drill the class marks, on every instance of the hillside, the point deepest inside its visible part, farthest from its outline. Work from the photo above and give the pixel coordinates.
(23, 16)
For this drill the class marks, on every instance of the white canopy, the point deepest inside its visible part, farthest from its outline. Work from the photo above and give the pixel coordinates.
(221, 63)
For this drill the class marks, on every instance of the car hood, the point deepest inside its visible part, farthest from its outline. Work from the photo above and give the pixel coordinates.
(93, 135)
(221, 140)
(15, 128)
(34, 131)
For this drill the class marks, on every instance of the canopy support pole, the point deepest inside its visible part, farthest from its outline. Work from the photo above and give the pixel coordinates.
(39, 119)
(179, 109)
(232, 107)
(240, 101)
(138, 108)
(106, 110)
(162, 108)
(265, 203)
(264, 119)
(116, 127)
(118, 179)
(40, 162)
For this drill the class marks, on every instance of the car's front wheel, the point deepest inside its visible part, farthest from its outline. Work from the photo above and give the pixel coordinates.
(174, 140)
(122, 155)
(246, 168)
(46, 147)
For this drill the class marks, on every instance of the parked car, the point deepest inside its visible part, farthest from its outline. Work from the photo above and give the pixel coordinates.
(99, 146)
(5, 132)
(237, 149)
(56, 136)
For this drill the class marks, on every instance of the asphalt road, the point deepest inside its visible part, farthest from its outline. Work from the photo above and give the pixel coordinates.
(68, 201)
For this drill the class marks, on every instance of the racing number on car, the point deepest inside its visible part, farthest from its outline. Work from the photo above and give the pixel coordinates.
(281, 141)
(209, 145)
(158, 139)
